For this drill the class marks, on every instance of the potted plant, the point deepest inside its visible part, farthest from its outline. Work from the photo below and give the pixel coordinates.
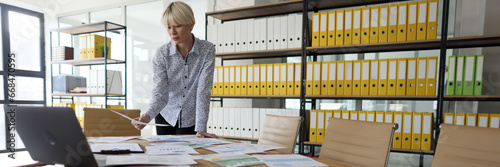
(101, 46)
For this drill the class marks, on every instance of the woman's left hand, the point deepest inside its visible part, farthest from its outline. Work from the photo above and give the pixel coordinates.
(205, 134)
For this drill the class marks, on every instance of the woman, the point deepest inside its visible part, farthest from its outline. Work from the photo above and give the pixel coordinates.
(182, 77)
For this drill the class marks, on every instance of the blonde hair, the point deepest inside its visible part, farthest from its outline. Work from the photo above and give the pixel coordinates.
(178, 13)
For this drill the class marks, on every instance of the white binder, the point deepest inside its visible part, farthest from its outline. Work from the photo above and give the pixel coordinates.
(263, 34)
(298, 31)
(277, 32)
(283, 32)
(250, 36)
(244, 36)
(226, 115)
(270, 33)
(231, 122)
(210, 120)
(256, 123)
(220, 38)
(237, 122)
(237, 36)
(257, 34)
(291, 30)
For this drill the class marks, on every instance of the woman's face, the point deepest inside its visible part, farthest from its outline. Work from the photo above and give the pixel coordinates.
(179, 33)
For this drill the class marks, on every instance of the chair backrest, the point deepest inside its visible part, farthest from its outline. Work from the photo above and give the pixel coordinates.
(467, 146)
(359, 143)
(102, 122)
(280, 131)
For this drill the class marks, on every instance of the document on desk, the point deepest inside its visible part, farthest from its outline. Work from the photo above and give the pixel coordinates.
(149, 160)
(117, 147)
(163, 138)
(137, 122)
(207, 141)
(192, 145)
(288, 160)
(233, 159)
(242, 148)
(110, 139)
(169, 149)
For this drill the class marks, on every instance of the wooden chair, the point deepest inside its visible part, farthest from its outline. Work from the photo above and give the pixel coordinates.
(358, 143)
(102, 122)
(280, 131)
(467, 146)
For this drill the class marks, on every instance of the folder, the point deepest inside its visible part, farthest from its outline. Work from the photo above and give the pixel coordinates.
(431, 76)
(316, 90)
(362, 115)
(324, 78)
(348, 77)
(416, 132)
(482, 120)
(277, 35)
(250, 36)
(449, 118)
(297, 81)
(237, 122)
(422, 20)
(470, 119)
(276, 79)
(393, 23)
(397, 137)
(353, 115)
(215, 82)
(244, 36)
(250, 82)
(365, 77)
(337, 114)
(469, 71)
(356, 26)
(382, 28)
(331, 28)
(460, 119)
(494, 121)
(411, 31)
(315, 29)
(283, 32)
(83, 46)
(291, 31)
(382, 81)
(225, 124)
(323, 31)
(309, 78)
(391, 81)
(427, 119)
(402, 16)
(348, 27)
(93, 46)
(256, 80)
(264, 80)
(256, 123)
(411, 77)
(370, 116)
(244, 84)
(270, 34)
(237, 78)
(450, 84)
(478, 82)
(345, 114)
(388, 117)
(270, 79)
(226, 81)
(421, 76)
(459, 75)
(328, 115)
(220, 78)
(290, 72)
(340, 78)
(401, 81)
(365, 25)
(356, 79)
(374, 24)
(407, 129)
(250, 122)
(299, 28)
(320, 126)
(237, 37)
(313, 130)
(332, 78)
(339, 38)
(283, 79)
(210, 120)
(432, 19)
(231, 80)
(379, 116)
(232, 122)
(257, 34)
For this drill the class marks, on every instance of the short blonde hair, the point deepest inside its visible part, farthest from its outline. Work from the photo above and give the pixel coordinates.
(178, 13)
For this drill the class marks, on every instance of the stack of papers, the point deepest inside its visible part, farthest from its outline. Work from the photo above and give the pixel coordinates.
(288, 160)
(192, 145)
(118, 147)
(169, 149)
(242, 148)
(232, 159)
(149, 160)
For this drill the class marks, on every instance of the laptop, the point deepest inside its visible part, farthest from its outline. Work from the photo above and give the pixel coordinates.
(52, 135)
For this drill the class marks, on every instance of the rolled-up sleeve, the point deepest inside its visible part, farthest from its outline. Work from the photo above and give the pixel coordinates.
(203, 93)
(159, 93)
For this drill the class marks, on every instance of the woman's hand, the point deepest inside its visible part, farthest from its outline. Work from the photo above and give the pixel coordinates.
(144, 118)
(205, 134)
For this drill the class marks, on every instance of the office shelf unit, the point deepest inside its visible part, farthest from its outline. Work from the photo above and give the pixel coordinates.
(106, 27)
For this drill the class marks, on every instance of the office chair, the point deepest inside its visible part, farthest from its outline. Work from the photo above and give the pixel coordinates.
(280, 131)
(102, 122)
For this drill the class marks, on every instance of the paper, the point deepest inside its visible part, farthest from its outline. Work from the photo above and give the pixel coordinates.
(242, 148)
(133, 147)
(149, 160)
(192, 145)
(163, 138)
(207, 141)
(233, 160)
(110, 139)
(288, 160)
(137, 122)
(169, 149)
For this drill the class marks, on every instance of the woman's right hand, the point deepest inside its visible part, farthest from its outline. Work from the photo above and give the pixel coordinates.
(144, 118)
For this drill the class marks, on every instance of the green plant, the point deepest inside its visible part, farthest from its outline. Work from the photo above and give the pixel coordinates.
(101, 46)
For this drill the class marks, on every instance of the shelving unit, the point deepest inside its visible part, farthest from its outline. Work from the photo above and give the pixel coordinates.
(105, 27)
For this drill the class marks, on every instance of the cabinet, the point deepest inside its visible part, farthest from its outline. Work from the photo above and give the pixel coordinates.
(104, 29)
(305, 6)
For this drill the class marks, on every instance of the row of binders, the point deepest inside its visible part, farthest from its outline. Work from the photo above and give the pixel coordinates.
(242, 122)
(473, 119)
(279, 32)
(414, 132)
(78, 108)
(100, 78)
(92, 46)
(403, 77)
(465, 75)
(376, 24)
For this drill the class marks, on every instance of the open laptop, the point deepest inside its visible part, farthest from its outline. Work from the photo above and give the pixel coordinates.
(52, 135)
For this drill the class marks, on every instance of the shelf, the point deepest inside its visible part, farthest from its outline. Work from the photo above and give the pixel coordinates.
(89, 28)
(368, 97)
(474, 41)
(85, 94)
(428, 152)
(269, 9)
(239, 138)
(472, 98)
(257, 96)
(261, 54)
(329, 4)
(95, 61)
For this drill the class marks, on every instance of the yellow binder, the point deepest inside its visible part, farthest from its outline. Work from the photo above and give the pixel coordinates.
(345, 114)
(422, 20)
(391, 77)
(323, 31)
(356, 26)
(315, 29)
(297, 80)
(397, 138)
(215, 82)
(449, 118)
(432, 19)
(337, 114)
(320, 126)
(382, 81)
(370, 116)
(317, 78)
(383, 20)
(340, 78)
(348, 73)
(232, 82)
(94, 44)
(256, 80)
(365, 25)
(427, 119)
(339, 38)
(401, 81)
(269, 85)
(388, 117)
(362, 115)
(431, 76)
(421, 75)
(374, 77)
(83, 46)
(482, 120)
(226, 81)
(416, 131)
(348, 27)
(494, 121)
(402, 19)
(411, 77)
(356, 79)
(309, 78)
(290, 72)
(332, 78)
(331, 28)
(459, 119)
(264, 79)
(353, 115)
(365, 77)
(328, 115)
(276, 79)
(379, 116)
(374, 20)
(313, 130)
(471, 119)
(407, 129)
(283, 79)
(250, 82)
(244, 80)
(237, 80)
(411, 30)
(393, 23)
(324, 78)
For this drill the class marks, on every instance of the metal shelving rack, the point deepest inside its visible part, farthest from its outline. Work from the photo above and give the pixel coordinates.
(105, 27)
